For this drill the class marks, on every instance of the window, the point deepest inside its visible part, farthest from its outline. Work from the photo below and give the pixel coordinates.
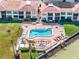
(9, 12)
(21, 12)
(42, 0)
(69, 13)
(15, 12)
(28, 14)
(50, 18)
(9, 16)
(69, 18)
(21, 16)
(74, 17)
(3, 12)
(62, 13)
(57, 18)
(57, 14)
(76, 0)
(15, 16)
(75, 14)
(62, 17)
(50, 14)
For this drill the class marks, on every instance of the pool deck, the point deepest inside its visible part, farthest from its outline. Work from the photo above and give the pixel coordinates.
(46, 41)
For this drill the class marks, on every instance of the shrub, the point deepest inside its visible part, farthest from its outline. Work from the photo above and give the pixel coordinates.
(24, 49)
(27, 49)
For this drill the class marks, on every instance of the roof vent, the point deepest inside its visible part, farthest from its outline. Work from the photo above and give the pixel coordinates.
(50, 4)
(28, 2)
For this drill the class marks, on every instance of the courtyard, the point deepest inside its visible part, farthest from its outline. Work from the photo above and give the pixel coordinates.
(7, 31)
(44, 36)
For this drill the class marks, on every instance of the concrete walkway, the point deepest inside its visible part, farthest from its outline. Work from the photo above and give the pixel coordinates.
(22, 38)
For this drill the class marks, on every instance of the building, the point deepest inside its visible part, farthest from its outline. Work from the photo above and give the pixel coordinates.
(18, 9)
(48, 12)
(21, 9)
(60, 11)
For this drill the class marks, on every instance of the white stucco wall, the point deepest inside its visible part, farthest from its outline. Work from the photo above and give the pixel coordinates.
(43, 15)
(0, 15)
(34, 14)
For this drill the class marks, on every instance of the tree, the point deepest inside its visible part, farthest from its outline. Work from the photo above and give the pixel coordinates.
(14, 43)
(39, 13)
(30, 47)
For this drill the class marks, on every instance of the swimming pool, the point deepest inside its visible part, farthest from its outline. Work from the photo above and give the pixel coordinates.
(40, 32)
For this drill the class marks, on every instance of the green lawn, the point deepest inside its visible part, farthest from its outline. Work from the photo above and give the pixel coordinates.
(70, 52)
(8, 32)
(70, 29)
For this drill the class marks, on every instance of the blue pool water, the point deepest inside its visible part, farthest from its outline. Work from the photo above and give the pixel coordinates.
(40, 32)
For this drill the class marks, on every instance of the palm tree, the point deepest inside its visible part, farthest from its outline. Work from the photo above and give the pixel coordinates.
(39, 13)
(14, 43)
(30, 46)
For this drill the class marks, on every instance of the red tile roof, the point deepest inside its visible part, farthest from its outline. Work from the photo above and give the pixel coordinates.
(43, 6)
(52, 9)
(28, 7)
(1, 8)
(10, 5)
(76, 8)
